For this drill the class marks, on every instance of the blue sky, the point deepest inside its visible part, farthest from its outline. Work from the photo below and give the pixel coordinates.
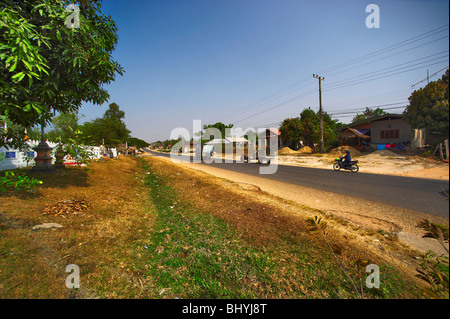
(251, 62)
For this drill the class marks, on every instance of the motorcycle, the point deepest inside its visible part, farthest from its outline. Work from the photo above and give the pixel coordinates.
(352, 166)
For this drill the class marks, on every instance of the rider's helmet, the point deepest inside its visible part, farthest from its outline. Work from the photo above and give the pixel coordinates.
(347, 151)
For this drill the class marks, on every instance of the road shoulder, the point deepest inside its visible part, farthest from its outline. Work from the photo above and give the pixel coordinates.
(358, 212)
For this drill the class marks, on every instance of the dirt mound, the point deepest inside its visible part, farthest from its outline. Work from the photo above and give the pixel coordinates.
(286, 151)
(305, 150)
(341, 150)
(381, 153)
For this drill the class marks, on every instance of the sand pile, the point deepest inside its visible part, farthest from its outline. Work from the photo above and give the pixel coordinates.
(380, 153)
(341, 151)
(286, 151)
(305, 150)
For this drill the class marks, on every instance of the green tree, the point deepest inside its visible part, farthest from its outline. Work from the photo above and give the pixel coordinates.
(220, 126)
(35, 133)
(310, 128)
(138, 143)
(428, 107)
(50, 67)
(109, 130)
(291, 130)
(114, 112)
(64, 126)
(368, 112)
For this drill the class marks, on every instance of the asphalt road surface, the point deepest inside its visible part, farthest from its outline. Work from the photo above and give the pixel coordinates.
(423, 195)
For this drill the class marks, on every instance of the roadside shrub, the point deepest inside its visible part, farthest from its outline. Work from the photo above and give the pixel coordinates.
(10, 180)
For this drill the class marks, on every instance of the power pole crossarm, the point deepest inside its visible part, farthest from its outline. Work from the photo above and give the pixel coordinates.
(320, 109)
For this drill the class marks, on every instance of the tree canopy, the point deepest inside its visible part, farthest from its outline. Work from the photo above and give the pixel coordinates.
(109, 130)
(428, 107)
(219, 125)
(48, 66)
(63, 127)
(306, 128)
(139, 143)
(368, 112)
(291, 130)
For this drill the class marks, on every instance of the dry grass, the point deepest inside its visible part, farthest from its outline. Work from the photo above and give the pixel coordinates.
(99, 238)
(169, 232)
(268, 222)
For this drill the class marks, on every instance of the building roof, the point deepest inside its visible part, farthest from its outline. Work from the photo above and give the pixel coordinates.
(352, 132)
(388, 116)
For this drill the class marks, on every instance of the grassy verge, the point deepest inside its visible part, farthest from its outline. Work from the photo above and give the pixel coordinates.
(152, 229)
(195, 252)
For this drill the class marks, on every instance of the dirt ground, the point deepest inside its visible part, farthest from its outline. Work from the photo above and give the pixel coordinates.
(361, 213)
(378, 162)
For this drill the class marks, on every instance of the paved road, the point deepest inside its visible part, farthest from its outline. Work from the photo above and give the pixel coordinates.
(423, 195)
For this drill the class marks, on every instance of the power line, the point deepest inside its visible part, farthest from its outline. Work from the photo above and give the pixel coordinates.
(332, 88)
(371, 107)
(357, 109)
(381, 77)
(389, 56)
(389, 48)
(390, 69)
(343, 113)
(353, 81)
(380, 98)
(428, 77)
(280, 104)
(268, 98)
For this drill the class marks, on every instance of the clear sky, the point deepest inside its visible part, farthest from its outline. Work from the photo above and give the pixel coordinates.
(251, 62)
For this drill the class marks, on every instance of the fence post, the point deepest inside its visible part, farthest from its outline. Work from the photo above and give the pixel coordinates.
(446, 149)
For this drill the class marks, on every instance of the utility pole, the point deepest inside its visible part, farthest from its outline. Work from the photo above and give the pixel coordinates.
(320, 109)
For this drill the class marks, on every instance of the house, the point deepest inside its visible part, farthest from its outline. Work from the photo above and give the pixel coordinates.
(381, 132)
(355, 138)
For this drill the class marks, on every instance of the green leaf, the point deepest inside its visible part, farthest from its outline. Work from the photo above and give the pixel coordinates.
(33, 74)
(29, 67)
(13, 67)
(18, 77)
(37, 109)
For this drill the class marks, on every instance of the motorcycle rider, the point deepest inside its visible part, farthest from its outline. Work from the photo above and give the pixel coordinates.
(347, 158)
